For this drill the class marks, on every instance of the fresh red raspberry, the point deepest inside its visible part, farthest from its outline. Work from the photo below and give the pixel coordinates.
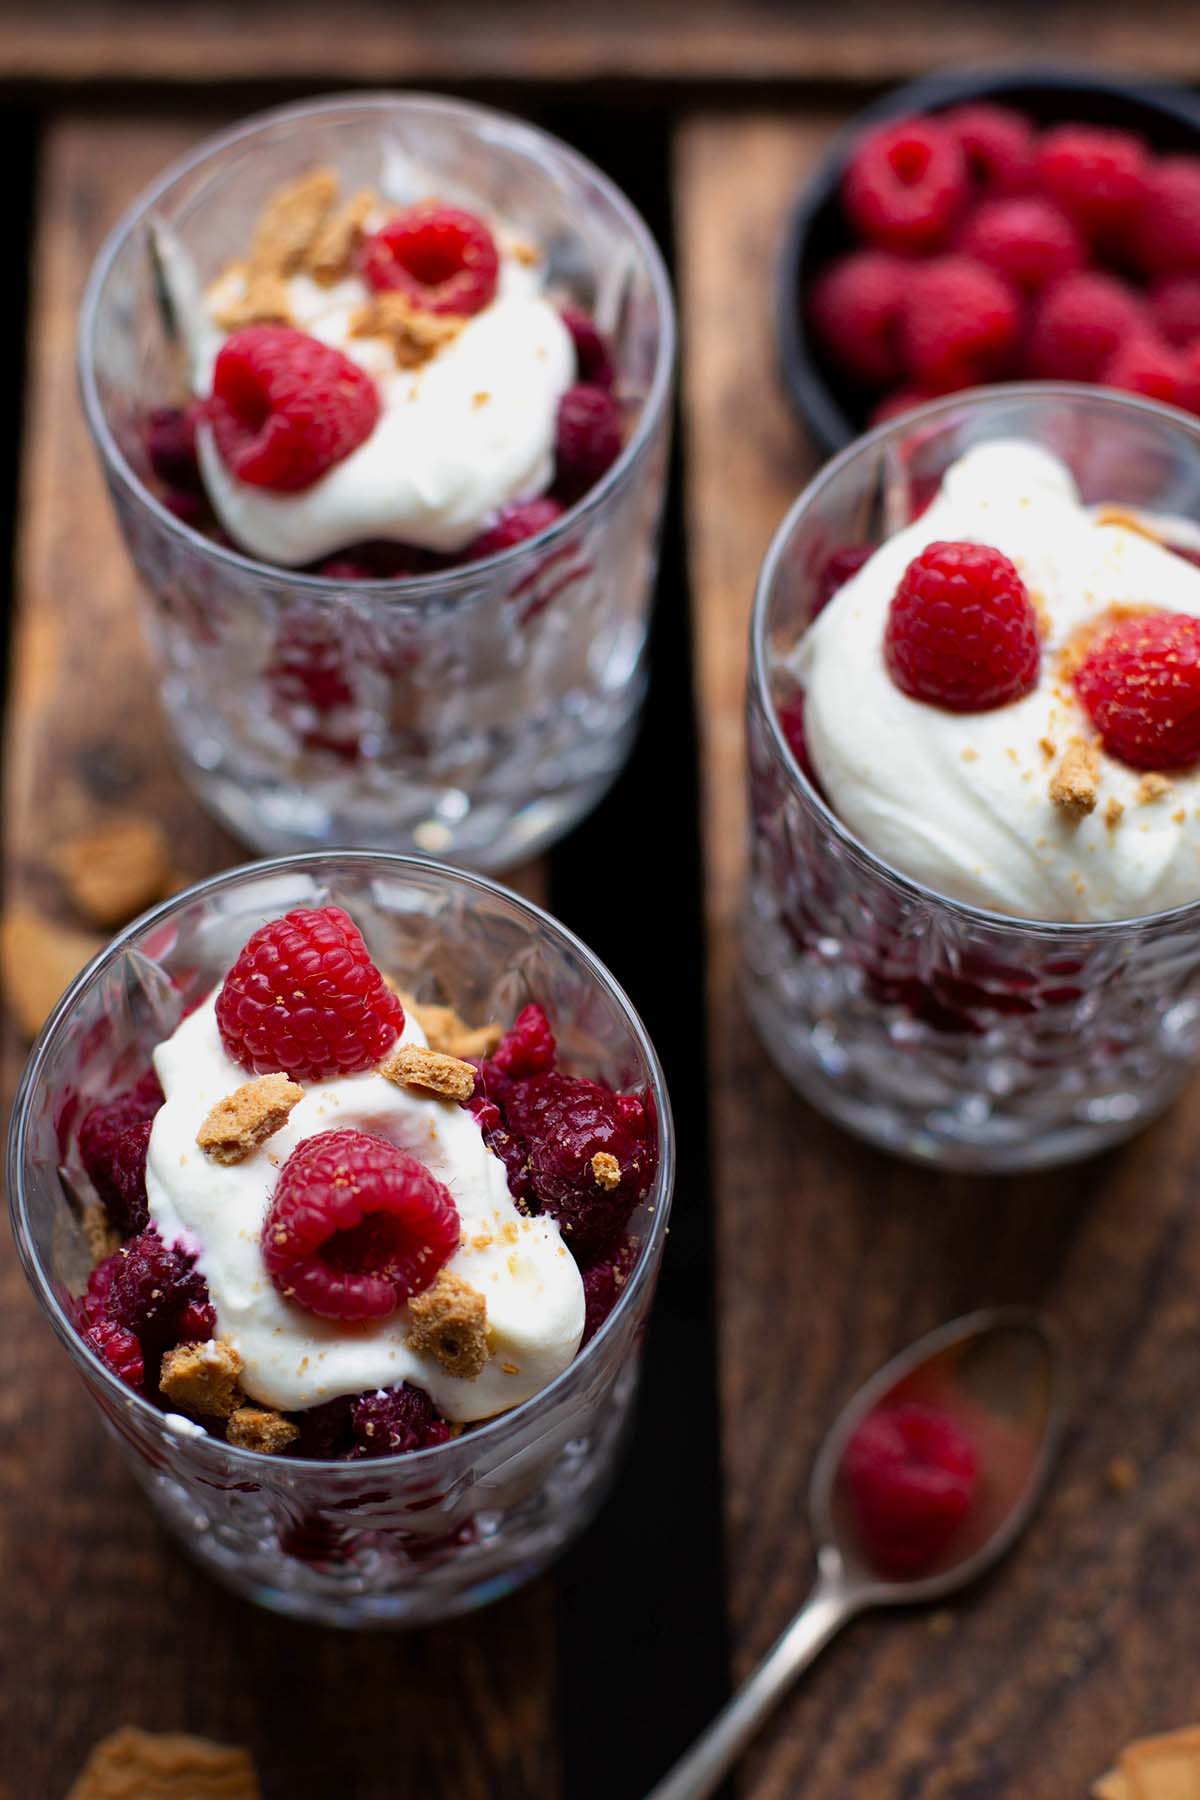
(356, 1226)
(312, 673)
(170, 439)
(563, 1122)
(587, 440)
(1140, 686)
(960, 321)
(113, 1138)
(999, 146)
(394, 1421)
(1078, 325)
(856, 309)
(325, 1430)
(912, 1474)
(1174, 305)
(900, 400)
(836, 571)
(593, 359)
(1165, 239)
(442, 259)
(1146, 364)
(1026, 239)
(791, 723)
(304, 997)
(1097, 176)
(119, 1349)
(197, 1322)
(602, 1284)
(905, 185)
(514, 526)
(527, 1047)
(285, 408)
(92, 1306)
(961, 631)
(150, 1288)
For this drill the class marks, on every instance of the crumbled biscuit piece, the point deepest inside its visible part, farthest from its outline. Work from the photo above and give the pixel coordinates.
(203, 1377)
(290, 221)
(1152, 787)
(237, 1125)
(449, 1323)
(1121, 1474)
(1075, 784)
(1048, 747)
(331, 252)
(527, 254)
(260, 1428)
(116, 870)
(249, 297)
(606, 1170)
(101, 1237)
(165, 1765)
(1113, 812)
(40, 959)
(411, 1065)
(447, 1032)
(1116, 515)
(415, 336)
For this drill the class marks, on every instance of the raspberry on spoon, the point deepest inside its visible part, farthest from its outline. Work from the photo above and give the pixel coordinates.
(356, 1226)
(911, 1473)
(441, 258)
(1140, 686)
(304, 997)
(961, 631)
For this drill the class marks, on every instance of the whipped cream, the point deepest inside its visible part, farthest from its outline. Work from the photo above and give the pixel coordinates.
(457, 439)
(294, 1360)
(961, 801)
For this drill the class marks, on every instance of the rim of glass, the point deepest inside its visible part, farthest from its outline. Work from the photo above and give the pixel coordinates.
(445, 581)
(979, 398)
(658, 1199)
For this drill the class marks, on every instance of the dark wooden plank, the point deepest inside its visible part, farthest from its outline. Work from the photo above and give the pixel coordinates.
(104, 1621)
(540, 40)
(832, 1256)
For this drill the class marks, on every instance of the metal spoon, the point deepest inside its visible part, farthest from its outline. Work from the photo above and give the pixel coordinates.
(1002, 1370)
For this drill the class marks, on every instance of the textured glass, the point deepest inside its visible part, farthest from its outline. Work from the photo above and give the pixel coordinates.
(931, 1027)
(396, 1540)
(474, 714)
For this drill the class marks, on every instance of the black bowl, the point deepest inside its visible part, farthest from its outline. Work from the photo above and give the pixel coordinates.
(833, 406)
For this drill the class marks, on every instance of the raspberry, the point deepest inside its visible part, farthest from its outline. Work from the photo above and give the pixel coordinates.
(1078, 325)
(905, 185)
(527, 1047)
(856, 308)
(1140, 686)
(285, 408)
(501, 1143)
(602, 1284)
(442, 259)
(1175, 309)
(999, 146)
(310, 677)
(1096, 176)
(113, 1139)
(93, 1305)
(959, 322)
(791, 723)
(593, 359)
(1165, 239)
(395, 1421)
(170, 440)
(836, 571)
(356, 1226)
(305, 997)
(514, 526)
(1145, 364)
(961, 631)
(900, 400)
(119, 1349)
(325, 1429)
(150, 1288)
(563, 1122)
(1027, 240)
(197, 1322)
(587, 439)
(912, 1474)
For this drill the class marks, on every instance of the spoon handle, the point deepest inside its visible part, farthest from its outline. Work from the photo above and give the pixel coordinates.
(700, 1770)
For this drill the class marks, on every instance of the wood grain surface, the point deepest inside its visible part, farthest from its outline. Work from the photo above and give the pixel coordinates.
(102, 1619)
(832, 1256)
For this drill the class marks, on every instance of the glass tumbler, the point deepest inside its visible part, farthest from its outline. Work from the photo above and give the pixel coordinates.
(474, 713)
(936, 1029)
(397, 1540)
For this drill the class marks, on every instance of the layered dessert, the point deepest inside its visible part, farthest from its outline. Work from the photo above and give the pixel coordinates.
(379, 390)
(1002, 700)
(332, 1222)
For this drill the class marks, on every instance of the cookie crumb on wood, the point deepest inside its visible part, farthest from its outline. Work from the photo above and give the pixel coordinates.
(116, 870)
(245, 1119)
(40, 959)
(1075, 784)
(99, 1234)
(411, 1065)
(331, 252)
(606, 1170)
(449, 1323)
(203, 1377)
(261, 1428)
(130, 1764)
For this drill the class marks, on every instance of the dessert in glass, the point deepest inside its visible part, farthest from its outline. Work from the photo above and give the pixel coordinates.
(381, 388)
(972, 926)
(345, 1180)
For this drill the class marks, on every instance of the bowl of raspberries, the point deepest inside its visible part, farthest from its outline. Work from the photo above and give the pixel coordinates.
(973, 229)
